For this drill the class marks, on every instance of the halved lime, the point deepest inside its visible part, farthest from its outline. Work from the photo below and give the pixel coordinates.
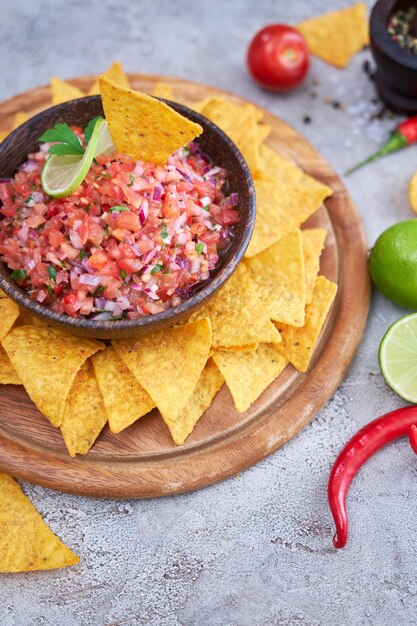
(62, 174)
(398, 357)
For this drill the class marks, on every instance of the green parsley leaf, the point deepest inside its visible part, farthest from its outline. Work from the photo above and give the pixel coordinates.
(199, 247)
(89, 129)
(28, 199)
(123, 274)
(164, 232)
(64, 265)
(158, 267)
(119, 208)
(82, 255)
(33, 187)
(50, 291)
(107, 231)
(98, 291)
(52, 273)
(132, 179)
(62, 134)
(18, 274)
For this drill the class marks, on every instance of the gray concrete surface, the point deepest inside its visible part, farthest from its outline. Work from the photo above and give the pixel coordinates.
(256, 549)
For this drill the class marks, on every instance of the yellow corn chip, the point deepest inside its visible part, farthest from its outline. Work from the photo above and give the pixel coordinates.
(280, 208)
(116, 73)
(238, 317)
(85, 415)
(143, 127)
(298, 343)
(20, 118)
(3, 294)
(248, 374)
(47, 361)
(124, 399)
(168, 364)
(8, 375)
(313, 242)
(240, 123)
(3, 134)
(63, 91)
(337, 36)
(263, 132)
(207, 387)
(94, 89)
(278, 275)
(163, 90)
(26, 542)
(9, 312)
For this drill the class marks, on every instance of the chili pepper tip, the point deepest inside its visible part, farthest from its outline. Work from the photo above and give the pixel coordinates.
(412, 436)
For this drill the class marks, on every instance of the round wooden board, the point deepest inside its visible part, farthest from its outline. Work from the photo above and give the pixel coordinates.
(142, 461)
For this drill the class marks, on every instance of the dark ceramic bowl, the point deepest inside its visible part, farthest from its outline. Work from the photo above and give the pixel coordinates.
(23, 140)
(396, 73)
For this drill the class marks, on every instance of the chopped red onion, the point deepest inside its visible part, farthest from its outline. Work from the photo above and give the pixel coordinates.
(100, 303)
(5, 180)
(29, 166)
(234, 198)
(41, 296)
(103, 316)
(143, 213)
(157, 193)
(205, 201)
(23, 233)
(139, 169)
(37, 197)
(149, 255)
(91, 281)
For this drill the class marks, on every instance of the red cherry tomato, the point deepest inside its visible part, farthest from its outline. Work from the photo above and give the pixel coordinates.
(278, 57)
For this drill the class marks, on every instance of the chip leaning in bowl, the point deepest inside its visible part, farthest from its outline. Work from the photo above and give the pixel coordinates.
(133, 239)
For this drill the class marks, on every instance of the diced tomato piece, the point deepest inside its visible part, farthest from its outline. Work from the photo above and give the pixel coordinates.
(55, 237)
(98, 260)
(129, 220)
(130, 265)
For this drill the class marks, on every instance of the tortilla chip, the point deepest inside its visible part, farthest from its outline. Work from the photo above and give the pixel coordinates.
(298, 343)
(3, 134)
(313, 242)
(238, 317)
(143, 127)
(47, 361)
(63, 91)
(163, 90)
(124, 399)
(207, 387)
(3, 294)
(94, 89)
(278, 275)
(20, 118)
(8, 375)
(26, 542)
(280, 208)
(240, 123)
(9, 312)
(337, 36)
(248, 374)
(168, 364)
(85, 415)
(263, 132)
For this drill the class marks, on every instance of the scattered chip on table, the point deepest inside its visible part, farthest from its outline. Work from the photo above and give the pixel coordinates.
(263, 132)
(9, 312)
(47, 361)
(143, 127)
(203, 395)
(248, 374)
(124, 399)
(313, 243)
(163, 90)
(298, 343)
(63, 91)
(280, 208)
(168, 364)
(337, 36)
(278, 275)
(8, 375)
(85, 415)
(238, 317)
(26, 542)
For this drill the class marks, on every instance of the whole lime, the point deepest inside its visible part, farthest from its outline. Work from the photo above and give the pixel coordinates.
(393, 264)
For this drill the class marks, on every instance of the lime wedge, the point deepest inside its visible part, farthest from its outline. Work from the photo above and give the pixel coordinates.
(63, 174)
(398, 357)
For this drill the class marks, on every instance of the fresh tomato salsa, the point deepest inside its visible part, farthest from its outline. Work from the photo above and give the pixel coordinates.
(134, 239)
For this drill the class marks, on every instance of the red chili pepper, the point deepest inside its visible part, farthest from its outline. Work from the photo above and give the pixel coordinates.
(404, 135)
(359, 449)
